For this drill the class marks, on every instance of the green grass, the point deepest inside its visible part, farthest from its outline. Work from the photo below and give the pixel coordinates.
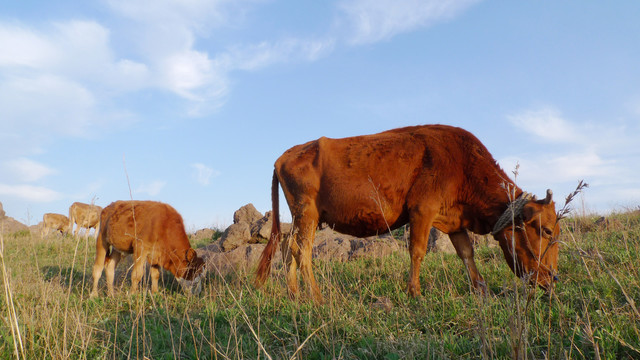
(592, 312)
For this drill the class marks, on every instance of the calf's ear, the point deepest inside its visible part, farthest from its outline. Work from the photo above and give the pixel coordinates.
(190, 254)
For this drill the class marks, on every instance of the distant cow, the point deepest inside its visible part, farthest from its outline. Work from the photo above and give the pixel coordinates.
(432, 175)
(154, 233)
(57, 222)
(85, 216)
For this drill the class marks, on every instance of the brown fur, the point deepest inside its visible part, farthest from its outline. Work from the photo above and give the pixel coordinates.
(154, 233)
(51, 221)
(432, 175)
(85, 216)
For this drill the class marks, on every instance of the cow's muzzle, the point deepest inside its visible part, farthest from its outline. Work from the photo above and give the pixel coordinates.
(193, 287)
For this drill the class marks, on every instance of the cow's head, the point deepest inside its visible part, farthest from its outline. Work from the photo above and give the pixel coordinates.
(530, 243)
(193, 271)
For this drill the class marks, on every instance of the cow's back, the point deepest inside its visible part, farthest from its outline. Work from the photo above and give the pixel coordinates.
(344, 177)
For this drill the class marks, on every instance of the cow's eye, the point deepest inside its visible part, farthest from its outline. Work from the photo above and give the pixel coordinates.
(547, 232)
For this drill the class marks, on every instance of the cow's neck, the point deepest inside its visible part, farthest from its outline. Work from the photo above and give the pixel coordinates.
(491, 202)
(173, 263)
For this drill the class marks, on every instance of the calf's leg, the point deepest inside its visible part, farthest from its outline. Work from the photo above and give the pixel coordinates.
(110, 269)
(155, 275)
(98, 265)
(137, 272)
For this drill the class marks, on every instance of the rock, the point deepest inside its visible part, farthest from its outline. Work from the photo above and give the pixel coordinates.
(261, 229)
(247, 214)
(241, 259)
(235, 235)
(9, 225)
(203, 234)
(379, 247)
(332, 249)
(441, 241)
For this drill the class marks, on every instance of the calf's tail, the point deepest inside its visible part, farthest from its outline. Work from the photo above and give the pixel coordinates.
(264, 266)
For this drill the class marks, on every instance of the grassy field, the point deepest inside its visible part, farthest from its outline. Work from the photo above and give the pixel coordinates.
(593, 312)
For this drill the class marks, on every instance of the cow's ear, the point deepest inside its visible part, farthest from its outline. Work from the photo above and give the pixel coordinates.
(190, 254)
(529, 211)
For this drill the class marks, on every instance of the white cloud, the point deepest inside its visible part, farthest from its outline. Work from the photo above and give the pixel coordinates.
(45, 104)
(203, 173)
(601, 154)
(24, 47)
(58, 80)
(27, 170)
(30, 193)
(151, 189)
(192, 75)
(377, 20)
(547, 124)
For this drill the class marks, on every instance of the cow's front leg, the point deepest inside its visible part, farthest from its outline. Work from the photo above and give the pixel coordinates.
(464, 248)
(418, 242)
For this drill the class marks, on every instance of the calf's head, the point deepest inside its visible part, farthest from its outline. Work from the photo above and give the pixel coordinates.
(191, 274)
(529, 243)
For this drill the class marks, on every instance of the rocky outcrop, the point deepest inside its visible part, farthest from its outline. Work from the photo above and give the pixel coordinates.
(241, 244)
(9, 225)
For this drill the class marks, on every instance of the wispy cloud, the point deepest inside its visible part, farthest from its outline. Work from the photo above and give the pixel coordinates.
(377, 20)
(547, 124)
(56, 80)
(151, 189)
(30, 193)
(27, 170)
(203, 173)
(575, 150)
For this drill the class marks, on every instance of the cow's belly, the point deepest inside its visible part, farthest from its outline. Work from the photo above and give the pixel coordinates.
(362, 217)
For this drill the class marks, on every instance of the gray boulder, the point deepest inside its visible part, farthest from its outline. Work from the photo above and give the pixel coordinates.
(247, 214)
(235, 235)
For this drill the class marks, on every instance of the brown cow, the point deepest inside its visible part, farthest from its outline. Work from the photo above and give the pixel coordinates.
(51, 221)
(432, 175)
(85, 216)
(154, 233)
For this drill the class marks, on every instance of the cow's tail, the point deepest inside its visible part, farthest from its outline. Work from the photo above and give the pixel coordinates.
(264, 266)
(71, 221)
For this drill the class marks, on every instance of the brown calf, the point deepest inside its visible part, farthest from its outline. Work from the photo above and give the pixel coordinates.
(154, 233)
(85, 216)
(51, 221)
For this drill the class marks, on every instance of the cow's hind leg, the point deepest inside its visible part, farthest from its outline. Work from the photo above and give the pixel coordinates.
(305, 239)
(297, 254)
(464, 248)
(288, 248)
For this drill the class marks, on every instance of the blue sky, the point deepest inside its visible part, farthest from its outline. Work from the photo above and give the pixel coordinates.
(191, 102)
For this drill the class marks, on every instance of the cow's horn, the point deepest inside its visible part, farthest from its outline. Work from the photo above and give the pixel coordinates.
(547, 200)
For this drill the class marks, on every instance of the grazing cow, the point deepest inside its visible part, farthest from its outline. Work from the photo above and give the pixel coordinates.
(432, 175)
(51, 221)
(85, 216)
(154, 233)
